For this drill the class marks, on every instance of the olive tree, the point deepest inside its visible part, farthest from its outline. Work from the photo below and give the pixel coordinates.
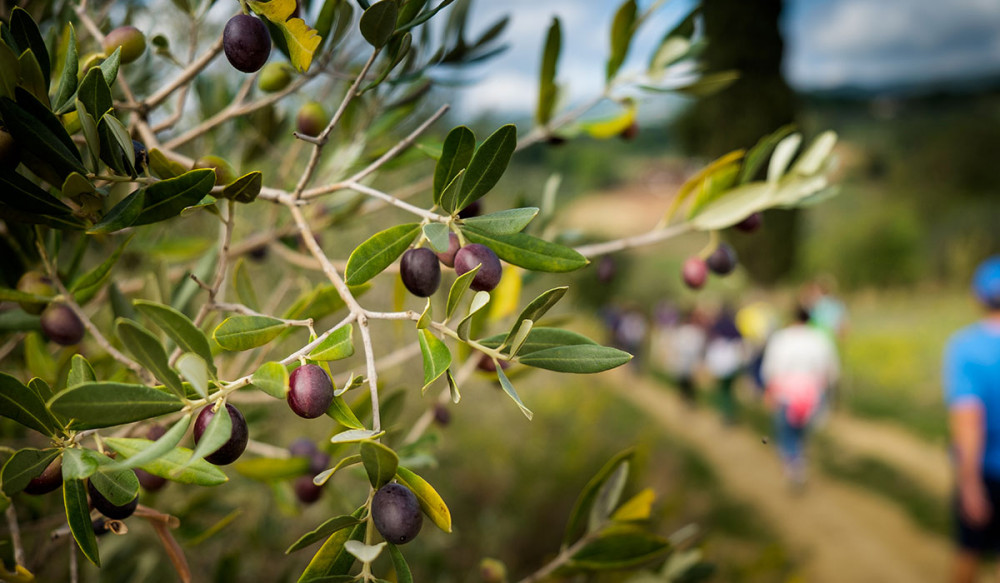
(119, 338)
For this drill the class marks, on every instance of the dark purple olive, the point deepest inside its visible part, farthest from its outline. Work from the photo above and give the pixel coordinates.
(474, 209)
(606, 269)
(141, 156)
(723, 260)
(694, 272)
(396, 513)
(10, 155)
(258, 253)
(305, 448)
(630, 133)
(149, 482)
(105, 507)
(305, 490)
(448, 257)
(50, 479)
(230, 451)
(420, 271)
(474, 254)
(100, 526)
(310, 391)
(246, 42)
(442, 415)
(487, 364)
(751, 223)
(61, 325)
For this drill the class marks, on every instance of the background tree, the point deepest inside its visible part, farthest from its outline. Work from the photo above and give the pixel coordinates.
(746, 37)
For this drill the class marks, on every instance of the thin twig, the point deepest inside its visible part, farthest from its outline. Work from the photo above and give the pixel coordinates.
(15, 534)
(648, 238)
(560, 560)
(74, 566)
(184, 79)
(389, 155)
(388, 198)
(307, 174)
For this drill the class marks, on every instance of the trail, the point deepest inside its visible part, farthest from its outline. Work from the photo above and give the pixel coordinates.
(839, 532)
(927, 464)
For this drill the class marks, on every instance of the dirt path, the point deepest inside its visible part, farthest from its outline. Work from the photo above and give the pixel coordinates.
(926, 463)
(839, 532)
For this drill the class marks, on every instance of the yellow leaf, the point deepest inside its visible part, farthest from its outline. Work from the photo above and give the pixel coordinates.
(302, 41)
(695, 181)
(506, 295)
(613, 126)
(639, 507)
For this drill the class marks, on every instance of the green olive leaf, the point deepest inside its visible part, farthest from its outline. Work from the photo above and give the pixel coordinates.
(378, 252)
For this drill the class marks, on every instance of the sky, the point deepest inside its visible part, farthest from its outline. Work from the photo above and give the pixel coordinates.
(829, 44)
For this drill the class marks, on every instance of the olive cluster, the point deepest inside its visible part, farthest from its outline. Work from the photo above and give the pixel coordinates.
(420, 268)
(723, 259)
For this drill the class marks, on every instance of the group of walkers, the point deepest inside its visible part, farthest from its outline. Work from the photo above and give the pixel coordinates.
(793, 369)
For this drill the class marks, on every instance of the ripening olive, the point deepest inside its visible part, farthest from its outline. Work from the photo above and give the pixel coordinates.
(396, 513)
(694, 272)
(224, 171)
(233, 448)
(488, 276)
(448, 257)
(61, 325)
(130, 39)
(420, 271)
(246, 42)
(311, 119)
(36, 283)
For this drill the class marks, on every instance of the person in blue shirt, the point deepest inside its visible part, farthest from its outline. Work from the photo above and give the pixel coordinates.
(972, 393)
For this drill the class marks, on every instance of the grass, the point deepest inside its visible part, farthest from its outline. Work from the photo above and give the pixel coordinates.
(892, 356)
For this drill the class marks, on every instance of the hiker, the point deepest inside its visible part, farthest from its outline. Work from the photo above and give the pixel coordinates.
(800, 363)
(725, 359)
(972, 393)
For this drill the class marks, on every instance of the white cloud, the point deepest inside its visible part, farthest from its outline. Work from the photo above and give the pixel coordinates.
(507, 91)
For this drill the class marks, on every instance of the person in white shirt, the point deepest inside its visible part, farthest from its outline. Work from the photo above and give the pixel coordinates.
(800, 364)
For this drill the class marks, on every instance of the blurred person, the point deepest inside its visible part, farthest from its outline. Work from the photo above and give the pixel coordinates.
(756, 322)
(630, 332)
(800, 363)
(725, 358)
(687, 348)
(826, 311)
(972, 394)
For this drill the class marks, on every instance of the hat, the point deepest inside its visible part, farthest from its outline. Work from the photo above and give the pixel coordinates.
(986, 282)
